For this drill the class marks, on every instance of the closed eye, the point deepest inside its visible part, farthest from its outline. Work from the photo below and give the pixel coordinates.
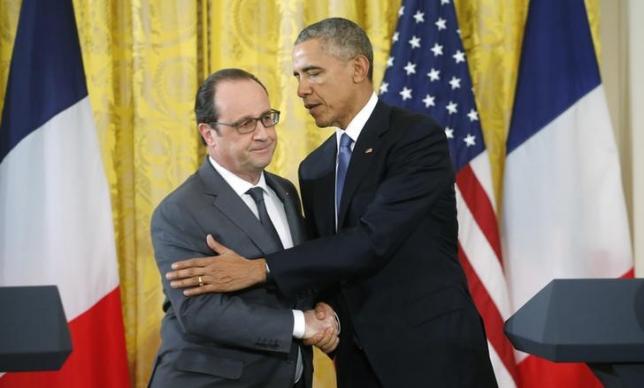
(313, 73)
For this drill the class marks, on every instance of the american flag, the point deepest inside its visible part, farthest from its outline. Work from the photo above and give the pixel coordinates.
(427, 72)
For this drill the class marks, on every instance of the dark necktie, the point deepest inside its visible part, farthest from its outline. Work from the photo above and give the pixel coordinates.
(344, 156)
(257, 193)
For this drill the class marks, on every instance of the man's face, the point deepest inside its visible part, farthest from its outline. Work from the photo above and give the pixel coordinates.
(246, 155)
(325, 84)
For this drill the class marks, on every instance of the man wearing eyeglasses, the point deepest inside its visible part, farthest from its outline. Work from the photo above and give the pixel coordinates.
(256, 337)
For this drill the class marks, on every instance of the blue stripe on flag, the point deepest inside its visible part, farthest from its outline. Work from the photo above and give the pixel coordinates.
(558, 66)
(46, 74)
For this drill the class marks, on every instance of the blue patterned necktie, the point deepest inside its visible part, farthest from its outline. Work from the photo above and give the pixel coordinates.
(344, 156)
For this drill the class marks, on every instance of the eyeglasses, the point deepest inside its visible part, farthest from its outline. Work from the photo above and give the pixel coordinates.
(249, 124)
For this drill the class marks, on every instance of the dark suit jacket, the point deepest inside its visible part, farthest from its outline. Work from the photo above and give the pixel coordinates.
(241, 339)
(401, 293)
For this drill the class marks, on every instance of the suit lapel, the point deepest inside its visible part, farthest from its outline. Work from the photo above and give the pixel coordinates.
(293, 216)
(364, 152)
(324, 188)
(230, 205)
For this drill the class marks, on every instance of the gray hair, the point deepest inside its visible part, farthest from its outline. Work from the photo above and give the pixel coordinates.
(340, 37)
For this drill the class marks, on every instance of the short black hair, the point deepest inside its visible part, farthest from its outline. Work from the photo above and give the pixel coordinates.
(205, 110)
(340, 37)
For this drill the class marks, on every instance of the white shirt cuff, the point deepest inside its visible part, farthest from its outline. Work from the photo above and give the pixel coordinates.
(299, 324)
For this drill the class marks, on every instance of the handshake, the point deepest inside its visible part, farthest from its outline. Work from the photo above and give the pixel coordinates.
(322, 328)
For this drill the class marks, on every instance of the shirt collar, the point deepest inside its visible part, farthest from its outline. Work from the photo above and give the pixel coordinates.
(355, 126)
(239, 185)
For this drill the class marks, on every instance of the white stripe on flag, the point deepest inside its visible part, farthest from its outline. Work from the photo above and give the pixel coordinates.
(57, 226)
(482, 258)
(564, 213)
(503, 378)
(481, 168)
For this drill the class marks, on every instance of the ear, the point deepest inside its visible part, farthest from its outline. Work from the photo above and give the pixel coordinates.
(360, 69)
(206, 133)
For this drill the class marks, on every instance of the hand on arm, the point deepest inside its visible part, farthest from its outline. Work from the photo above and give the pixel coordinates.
(225, 272)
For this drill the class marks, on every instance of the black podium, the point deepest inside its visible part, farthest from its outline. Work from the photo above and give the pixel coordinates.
(33, 330)
(596, 321)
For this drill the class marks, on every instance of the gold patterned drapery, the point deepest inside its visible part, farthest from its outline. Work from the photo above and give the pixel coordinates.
(145, 59)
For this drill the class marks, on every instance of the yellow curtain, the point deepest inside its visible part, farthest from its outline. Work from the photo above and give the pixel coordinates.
(145, 59)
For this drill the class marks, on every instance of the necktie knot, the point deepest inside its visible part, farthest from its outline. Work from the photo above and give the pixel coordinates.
(345, 142)
(257, 193)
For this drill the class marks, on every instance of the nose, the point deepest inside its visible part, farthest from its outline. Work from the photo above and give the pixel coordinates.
(261, 132)
(303, 87)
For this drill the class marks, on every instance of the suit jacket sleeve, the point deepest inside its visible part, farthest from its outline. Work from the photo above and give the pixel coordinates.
(417, 179)
(223, 318)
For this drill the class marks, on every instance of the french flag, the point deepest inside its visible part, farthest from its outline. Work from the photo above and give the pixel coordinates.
(563, 206)
(55, 209)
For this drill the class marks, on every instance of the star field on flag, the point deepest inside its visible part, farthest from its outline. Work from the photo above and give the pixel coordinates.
(427, 72)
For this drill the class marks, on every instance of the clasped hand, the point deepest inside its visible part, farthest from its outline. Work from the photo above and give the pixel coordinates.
(322, 328)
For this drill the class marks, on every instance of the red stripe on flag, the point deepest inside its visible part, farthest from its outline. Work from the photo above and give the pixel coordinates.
(536, 372)
(98, 358)
(491, 315)
(478, 202)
